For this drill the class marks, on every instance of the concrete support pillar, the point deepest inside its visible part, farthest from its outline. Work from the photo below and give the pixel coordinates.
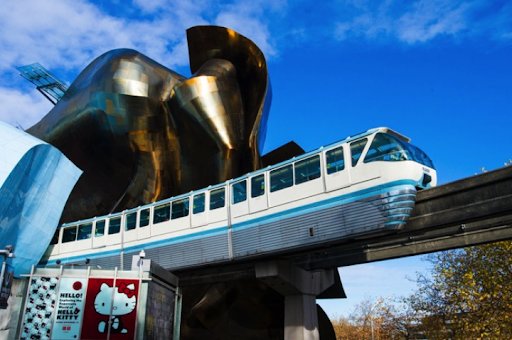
(300, 317)
(300, 289)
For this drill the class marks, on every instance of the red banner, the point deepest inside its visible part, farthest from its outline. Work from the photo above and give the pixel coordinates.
(106, 305)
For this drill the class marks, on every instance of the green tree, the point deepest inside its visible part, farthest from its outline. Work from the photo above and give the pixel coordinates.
(468, 294)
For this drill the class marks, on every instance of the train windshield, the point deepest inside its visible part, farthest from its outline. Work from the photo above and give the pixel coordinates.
(388, 148)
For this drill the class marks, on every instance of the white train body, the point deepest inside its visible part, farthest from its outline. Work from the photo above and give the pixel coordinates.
(361, 186)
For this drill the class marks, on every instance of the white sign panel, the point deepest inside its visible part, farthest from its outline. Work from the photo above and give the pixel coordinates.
(70, 308)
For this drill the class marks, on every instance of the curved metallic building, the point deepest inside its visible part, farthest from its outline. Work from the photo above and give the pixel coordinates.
(142, 132)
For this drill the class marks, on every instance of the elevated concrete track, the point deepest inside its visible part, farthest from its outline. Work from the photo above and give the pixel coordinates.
(467, 212)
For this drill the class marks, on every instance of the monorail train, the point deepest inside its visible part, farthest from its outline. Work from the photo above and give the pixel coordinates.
(363, 185)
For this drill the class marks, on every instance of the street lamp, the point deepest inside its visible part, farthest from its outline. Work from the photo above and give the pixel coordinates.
(7, 253)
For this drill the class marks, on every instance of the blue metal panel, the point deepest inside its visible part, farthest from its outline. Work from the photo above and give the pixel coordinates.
(35, 182)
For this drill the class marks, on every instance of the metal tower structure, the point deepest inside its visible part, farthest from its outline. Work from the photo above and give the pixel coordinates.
(49, 86)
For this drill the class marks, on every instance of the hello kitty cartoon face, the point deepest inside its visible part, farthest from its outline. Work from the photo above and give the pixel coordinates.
(124, 301)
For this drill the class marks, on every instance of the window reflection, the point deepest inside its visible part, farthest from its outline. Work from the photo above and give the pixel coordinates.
(239, 191)
(217, 198)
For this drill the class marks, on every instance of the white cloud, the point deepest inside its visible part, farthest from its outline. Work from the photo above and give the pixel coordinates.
(248, 18)
(249, 27)
(22, 109)
(429, 19)
(62, 34)
(69, 35)
(150, 6)
(422, 20)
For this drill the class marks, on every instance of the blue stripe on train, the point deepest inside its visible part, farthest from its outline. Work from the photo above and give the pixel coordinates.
(343, 199)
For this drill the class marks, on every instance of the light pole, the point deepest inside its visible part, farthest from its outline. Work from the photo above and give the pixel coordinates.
(7, 253)
(372, 309)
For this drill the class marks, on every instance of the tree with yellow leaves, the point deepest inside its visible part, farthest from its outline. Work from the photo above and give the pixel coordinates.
(468, 294)
(377, 319)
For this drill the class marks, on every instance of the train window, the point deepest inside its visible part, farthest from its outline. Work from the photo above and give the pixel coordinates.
(131, 221)
(162, 213)
(180, 208)
(144, 218)
(334, 160)
(55, 238)
(84, 231)
(239, 191)
(307, 170)
(198, 204)
(114, 226)
(385, 148)
(391, 149)
(356, 149)
(281, 178)
(217, 198)
(257, 186)
(100, 228)
(69, 234)
(419, 156)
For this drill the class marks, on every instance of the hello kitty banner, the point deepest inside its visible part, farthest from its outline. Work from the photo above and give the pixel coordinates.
(80, 308)
(39, 308)
(106, 305)
(70, 308)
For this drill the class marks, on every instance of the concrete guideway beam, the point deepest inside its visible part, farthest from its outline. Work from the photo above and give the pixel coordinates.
(288, 279)
(467, 212)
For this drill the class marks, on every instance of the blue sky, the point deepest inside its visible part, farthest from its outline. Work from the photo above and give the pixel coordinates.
(437, 71)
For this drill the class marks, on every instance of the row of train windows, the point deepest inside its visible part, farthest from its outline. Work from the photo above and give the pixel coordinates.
(284, 177)
(309, 169)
